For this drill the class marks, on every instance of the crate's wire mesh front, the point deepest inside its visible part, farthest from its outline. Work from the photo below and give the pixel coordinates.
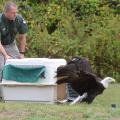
(71, 93)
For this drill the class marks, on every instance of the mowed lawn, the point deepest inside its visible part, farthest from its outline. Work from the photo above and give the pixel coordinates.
(100, 109)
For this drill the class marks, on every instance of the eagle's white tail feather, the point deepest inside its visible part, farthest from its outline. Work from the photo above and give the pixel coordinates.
(79, 98)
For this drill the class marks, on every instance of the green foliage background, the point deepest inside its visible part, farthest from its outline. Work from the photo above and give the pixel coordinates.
(67, 28)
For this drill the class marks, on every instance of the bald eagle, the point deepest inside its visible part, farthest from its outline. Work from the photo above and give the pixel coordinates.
(79, 74)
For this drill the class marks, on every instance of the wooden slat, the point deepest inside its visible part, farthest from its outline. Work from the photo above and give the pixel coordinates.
(61, 92)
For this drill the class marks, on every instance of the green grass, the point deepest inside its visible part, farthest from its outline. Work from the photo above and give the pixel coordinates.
(100, 109)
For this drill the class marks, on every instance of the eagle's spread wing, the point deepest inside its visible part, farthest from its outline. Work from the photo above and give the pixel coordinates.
(83, 80)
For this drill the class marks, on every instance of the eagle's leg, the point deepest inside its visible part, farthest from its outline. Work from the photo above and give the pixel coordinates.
(79, 98)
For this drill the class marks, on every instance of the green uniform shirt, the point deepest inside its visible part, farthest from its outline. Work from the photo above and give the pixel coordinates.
(9, 28)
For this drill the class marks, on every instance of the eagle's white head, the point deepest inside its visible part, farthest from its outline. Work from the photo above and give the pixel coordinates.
(106, 81)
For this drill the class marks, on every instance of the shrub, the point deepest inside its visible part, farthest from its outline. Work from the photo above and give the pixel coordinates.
(64, 29)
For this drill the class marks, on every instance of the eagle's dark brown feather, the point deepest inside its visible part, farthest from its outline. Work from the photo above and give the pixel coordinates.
(78, 72)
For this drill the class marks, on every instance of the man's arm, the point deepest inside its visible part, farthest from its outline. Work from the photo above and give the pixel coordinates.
(2, 50)
(22, 44)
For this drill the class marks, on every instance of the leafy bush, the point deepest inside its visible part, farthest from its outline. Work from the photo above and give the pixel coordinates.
(88, 28)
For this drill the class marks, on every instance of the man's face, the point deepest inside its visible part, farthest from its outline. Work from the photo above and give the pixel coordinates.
(11, 14)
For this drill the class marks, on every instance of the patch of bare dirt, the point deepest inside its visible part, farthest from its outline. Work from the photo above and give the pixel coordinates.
(115, 118)
(14, 115)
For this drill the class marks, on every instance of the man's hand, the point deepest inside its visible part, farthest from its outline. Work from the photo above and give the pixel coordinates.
(21, 56)
(7, 57)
